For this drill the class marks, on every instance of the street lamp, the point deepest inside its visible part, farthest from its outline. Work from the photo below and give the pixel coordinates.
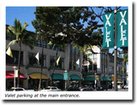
(15, 74)
(65, 78)
(42, 57)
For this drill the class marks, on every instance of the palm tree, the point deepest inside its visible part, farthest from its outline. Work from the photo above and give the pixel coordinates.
(22, 36)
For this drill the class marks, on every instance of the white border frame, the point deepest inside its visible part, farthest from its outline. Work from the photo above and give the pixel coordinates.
(93, 95)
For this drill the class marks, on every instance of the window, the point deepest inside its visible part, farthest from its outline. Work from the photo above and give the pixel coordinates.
(41, 43)
(44, 44)
(44, 60)
(32, 60)
(61, 63)
(52, 61)
(14, 60)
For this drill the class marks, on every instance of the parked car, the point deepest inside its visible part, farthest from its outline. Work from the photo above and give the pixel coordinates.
(51, 88)
(17, 89)
(87, 88)
(120, 85)
(73, 89)
(99, 88)
(125, 87)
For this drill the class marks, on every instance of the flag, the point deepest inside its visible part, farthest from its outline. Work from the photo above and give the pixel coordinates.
(37, 56)
(122, 28)
(9, 52)
(77, 62)
(57, 61)
(16, 73)
(108, 37)
(50, 43)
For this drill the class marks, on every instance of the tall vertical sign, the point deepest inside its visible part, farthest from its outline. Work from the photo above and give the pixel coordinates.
(122, 28)
(120, 39)
(108, 39)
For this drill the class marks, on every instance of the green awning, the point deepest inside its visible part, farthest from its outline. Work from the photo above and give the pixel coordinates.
(89, 78)
(74, 77)
(57, 76)
(105, 78)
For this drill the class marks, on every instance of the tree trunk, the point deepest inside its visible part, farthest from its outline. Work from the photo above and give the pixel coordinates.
(55, 66)
(19, 56)
(42, 56)
(67, 56)
(125, 73)
(81, 60)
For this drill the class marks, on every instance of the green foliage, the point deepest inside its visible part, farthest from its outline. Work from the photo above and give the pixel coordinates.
(67, 20)
(17, 29)
(20, 34)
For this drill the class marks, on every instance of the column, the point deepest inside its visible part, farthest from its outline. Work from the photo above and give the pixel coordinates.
(25, 58)
(67, 56)
(25, 83)
(48, 61)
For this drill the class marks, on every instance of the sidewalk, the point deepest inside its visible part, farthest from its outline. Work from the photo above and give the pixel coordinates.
(118, 90)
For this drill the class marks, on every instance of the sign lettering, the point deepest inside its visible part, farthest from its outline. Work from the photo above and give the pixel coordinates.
(122, 28)
(108, 40)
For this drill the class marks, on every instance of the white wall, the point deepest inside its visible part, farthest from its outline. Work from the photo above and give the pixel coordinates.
(48, 52)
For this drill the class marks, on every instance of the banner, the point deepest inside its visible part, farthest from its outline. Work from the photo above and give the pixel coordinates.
(37, 56)
(108, 38)
(122, 28)
(9, 52)
(57, 61)
(78, 62)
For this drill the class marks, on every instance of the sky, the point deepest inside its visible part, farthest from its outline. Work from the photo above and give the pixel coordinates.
(24, 14)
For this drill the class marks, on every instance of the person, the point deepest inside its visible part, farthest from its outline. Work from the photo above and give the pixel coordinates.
(98, 85)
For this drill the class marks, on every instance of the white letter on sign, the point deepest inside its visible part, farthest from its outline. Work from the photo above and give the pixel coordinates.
(123, 37)
(107, 37)
(107, 22)
(123, 20)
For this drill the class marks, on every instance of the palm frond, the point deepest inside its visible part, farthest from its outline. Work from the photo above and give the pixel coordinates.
(21, 34)
(13, 42)
(11, 30)
(24, 27)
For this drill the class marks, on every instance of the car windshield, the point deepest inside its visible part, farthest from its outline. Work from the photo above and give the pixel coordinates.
(18, 89)
(47, 88)
(54, 88)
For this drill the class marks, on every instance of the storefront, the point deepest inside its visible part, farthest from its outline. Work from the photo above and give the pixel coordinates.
(106, 82)
(34, 79)
(11, 81)
(89, 80)
(58, 80)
